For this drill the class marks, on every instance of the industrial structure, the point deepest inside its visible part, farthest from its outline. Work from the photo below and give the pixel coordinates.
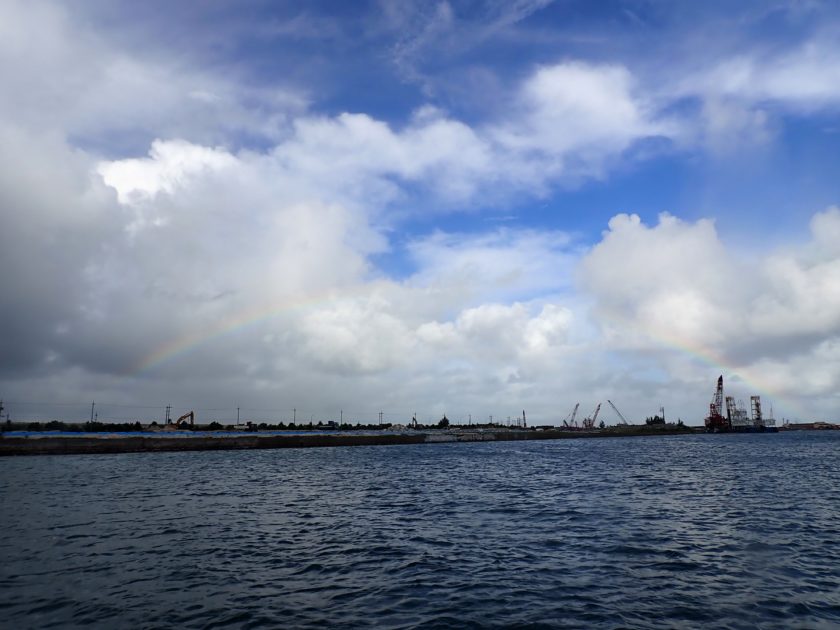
(589, 423)
(736, 419)
(622, 418)
(569, 422)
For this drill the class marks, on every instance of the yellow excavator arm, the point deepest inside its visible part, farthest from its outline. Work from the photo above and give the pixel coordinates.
(190, 415)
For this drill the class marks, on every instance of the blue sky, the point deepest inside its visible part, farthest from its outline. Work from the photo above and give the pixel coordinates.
(460, 207)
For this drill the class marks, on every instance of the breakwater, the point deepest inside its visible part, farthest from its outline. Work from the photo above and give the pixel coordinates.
(88, 444)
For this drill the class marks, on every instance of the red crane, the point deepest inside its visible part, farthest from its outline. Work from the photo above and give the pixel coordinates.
(716, 420)
(589, 423)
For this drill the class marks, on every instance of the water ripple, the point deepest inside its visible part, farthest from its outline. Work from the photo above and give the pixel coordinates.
(672, 532)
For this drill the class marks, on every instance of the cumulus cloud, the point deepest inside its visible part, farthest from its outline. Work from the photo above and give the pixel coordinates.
(56, 220)
(674, 280)
(570, 121)
(676, 285)
(169, 165)
(197, 261)
(803, 296)
(583, 111)
(60, 74)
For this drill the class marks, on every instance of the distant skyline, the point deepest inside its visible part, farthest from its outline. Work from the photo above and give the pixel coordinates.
(466, 208)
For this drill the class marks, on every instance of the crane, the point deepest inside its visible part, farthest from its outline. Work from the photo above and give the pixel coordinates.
(623, 420)
(716, 421)
(569, 422)
(589, 423)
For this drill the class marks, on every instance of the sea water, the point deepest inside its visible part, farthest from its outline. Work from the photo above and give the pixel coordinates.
(735, 531)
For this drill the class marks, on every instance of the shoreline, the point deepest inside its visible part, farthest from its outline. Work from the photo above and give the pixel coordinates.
(86, 445)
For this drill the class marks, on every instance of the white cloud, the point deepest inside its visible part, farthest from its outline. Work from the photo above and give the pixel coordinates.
(499, 332)
(675, 280)
(503, 264)
(578, 107)
(169, 165)
(803, 296)
(356, 337)
(744, 95)
(59, 74)
(805, 77)
(572, 120)
(104, 261)
(676, 286)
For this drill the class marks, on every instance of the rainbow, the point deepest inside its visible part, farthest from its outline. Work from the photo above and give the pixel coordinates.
(231, 325)
(252, 317)
(730, 371)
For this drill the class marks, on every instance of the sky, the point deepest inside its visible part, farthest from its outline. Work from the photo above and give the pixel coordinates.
(332, 209)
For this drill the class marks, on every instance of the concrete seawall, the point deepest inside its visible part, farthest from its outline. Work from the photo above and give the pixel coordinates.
(64, 445)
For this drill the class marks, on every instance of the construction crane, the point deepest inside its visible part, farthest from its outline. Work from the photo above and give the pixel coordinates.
(569, 422)
(716, 421)
(589, 423)
(623, 419)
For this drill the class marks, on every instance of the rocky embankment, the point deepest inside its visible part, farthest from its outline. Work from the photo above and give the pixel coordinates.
(86, 444)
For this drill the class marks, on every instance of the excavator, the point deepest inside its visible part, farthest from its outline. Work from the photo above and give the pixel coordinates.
(189, 415)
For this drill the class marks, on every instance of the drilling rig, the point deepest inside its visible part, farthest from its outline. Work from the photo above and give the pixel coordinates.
(736, 419)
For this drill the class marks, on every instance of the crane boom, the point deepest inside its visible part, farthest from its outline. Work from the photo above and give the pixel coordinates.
(589, 423)
(623, 419)
(569, 421)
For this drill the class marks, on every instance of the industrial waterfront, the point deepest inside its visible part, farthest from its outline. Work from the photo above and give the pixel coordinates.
(183, 434)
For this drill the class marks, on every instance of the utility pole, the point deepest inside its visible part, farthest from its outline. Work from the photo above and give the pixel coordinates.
(491, 421)
(470, 419)
(294, 415)
(380, 417)
(92, 405)
(237, 415)
(342, 417)
(168, 414)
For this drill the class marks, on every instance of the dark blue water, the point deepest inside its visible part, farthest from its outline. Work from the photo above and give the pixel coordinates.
(737, 531)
